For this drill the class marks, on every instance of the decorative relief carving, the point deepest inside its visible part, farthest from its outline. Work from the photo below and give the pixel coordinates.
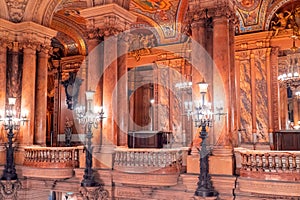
(8, 189)
(112, 26)
(140, 44)
(16, 9)
(93, 193)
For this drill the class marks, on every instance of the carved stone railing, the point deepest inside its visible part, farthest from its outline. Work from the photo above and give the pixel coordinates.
(270, 165)
(147, 160)
(52, 157)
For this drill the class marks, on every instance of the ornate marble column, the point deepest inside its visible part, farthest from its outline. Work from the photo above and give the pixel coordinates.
(41, 98)
(14, 73)
(109, 20)
(28, 91)
(223, 85)
(222, 82)
(122, 94)
(3, 63)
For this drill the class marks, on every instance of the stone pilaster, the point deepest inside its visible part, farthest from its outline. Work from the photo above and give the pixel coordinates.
(41, 98)
(28, 92)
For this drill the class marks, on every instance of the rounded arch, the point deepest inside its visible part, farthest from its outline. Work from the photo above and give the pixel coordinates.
(69, 27)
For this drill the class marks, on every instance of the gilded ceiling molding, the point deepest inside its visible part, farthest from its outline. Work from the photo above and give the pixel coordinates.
(274, 8)
(53, 4)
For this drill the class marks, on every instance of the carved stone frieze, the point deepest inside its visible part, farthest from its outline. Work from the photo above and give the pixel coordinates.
(93, 193)
(16, 9)
(140, 44)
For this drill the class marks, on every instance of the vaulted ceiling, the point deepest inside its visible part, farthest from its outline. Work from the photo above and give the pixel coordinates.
(166, 16)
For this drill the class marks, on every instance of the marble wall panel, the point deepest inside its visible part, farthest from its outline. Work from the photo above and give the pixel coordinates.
(261, 102)
(245, 100)
(176, 102)
(163, 98)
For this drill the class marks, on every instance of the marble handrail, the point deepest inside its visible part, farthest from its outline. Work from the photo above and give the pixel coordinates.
(269, 162)
(147, 158)
(52, 157)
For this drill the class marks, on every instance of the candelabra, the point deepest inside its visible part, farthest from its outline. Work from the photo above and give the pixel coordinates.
(11, 122)
(203, 119)
(89, 118)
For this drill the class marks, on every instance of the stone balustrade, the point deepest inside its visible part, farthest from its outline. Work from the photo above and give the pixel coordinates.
(270, 165)
(52, 157)
(146, 159)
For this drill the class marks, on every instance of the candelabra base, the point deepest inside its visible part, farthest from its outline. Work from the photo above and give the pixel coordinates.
(204, 192)
(9, 175)
(88, 183)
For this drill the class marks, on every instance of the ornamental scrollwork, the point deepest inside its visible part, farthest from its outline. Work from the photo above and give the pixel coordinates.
(16, 9)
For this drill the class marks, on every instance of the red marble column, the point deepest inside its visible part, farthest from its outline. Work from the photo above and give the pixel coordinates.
(109, 87)
(28, 93)
(13, 84)
(41, 99)
(122, 95)
(222, 76)
(3, 63)
(94, 73)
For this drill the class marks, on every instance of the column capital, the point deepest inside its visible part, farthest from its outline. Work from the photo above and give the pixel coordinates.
(222, 11)
(107, 20)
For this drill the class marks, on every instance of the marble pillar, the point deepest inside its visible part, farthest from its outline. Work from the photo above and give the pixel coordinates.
(94, 61)
(104, 157)
(28, 93)
(199, 71)
(14, 76)
(221, 77)
(122, 94)
(41, 98)
(109, 89)
(3, 63)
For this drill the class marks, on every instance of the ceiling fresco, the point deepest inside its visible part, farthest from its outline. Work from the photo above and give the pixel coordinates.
(251, 14)
(164, 15)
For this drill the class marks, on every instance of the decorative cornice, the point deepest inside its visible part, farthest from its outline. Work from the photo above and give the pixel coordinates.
(16, 9)
(107, 20)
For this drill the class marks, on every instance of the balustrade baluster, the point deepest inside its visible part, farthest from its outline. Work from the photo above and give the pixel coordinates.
(271, 163)
(277, 163)
(297, 160)
(258, 162)
(283, 160)
(291, 162)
